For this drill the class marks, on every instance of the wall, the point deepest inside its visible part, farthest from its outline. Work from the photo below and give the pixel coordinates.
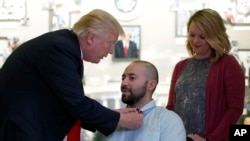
(37, 24)
(157, 39)
(158, 42)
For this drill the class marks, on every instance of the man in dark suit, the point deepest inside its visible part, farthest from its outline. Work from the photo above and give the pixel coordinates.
(126, 48)
(41, 91)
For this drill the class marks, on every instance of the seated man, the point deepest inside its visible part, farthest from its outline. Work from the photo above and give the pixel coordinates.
(139, 81)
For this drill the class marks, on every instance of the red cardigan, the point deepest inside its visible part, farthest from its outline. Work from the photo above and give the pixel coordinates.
(225, 91)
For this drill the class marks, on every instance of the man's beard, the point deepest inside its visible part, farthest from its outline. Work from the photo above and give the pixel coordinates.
(135, 95)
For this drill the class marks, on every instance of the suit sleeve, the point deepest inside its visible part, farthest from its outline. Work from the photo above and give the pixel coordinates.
(135, 52)
(62, 68)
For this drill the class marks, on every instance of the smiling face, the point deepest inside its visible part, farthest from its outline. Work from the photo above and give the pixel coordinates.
(198, 42)
(134, 85)
(96, 47)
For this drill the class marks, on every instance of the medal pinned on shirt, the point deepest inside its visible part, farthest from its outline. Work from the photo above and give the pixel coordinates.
(139, 111)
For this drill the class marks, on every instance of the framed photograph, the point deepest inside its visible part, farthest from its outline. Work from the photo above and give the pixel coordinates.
(241, 12)
(12, 10)
(233, 12)
(58, 17)
(244, 57)
(4, 50)
(128, 48)
(60, 13)
(183, 11)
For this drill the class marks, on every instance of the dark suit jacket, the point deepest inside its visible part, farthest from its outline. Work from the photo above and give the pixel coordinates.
(41, 91)
(132, 50)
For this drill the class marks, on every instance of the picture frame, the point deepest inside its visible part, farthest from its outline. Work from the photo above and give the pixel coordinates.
(4, 50)
(183, 11)
(233, 12)
(13, 10)
(61, 13)
(240, 12)
(244, 57)
(133, 46)
(58, 18)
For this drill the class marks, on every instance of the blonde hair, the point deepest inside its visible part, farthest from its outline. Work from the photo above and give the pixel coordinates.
(97, 21)
(214, 30)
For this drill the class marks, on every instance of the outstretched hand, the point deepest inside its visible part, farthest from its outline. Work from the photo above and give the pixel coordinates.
(130, 118)
(128, 110)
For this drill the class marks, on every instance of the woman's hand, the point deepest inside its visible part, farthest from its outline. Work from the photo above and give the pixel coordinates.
(196, 137)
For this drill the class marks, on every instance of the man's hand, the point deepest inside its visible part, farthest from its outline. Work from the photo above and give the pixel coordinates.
(130, 118)
(127, 110)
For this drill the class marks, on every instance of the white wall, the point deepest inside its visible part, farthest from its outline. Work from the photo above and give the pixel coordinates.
(157, 39)
(158, 42)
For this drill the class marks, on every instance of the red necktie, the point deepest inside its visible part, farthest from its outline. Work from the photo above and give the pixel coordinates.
(74, 133)
(125, 50)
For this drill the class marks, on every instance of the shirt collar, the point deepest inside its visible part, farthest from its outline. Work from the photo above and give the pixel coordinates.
(148, 107)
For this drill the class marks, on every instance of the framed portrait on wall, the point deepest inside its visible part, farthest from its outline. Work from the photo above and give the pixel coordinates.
(61, 13)
(12, 10)
(128, 48)
(240, 12)
(233, 12)
(4, 50)
(183, 11)
(244, 57)
(58, 17)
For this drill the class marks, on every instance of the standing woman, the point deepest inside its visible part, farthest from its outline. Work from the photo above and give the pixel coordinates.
(207, 89)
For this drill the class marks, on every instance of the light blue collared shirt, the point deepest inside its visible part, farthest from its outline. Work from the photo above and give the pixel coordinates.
(159, 124)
